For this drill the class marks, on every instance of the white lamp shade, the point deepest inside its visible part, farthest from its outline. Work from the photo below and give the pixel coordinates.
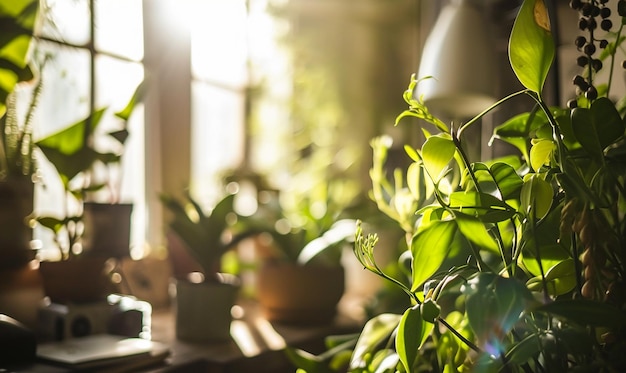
(459, 55)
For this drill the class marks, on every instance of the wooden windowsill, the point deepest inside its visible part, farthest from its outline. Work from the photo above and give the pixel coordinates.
(256, 345)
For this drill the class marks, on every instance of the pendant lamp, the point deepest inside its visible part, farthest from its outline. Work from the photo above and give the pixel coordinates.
(459, 55)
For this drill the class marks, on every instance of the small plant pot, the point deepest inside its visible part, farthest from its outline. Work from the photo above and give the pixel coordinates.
(203, 310)
(78, 280)
(293, 294)
(107, 229)
(16, 203)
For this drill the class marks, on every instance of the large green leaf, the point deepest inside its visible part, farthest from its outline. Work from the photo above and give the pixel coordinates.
(18, 18)
(481, 205)
(550, 254)
(413, 331)
(560, 279)
(493, 305)
(536, 196)
(597, 127)
(430, 247)
(71, 139)
(475, 231)
(67, 149)
(516, 130)
(531, 48)
(541, 153)
(437, 152)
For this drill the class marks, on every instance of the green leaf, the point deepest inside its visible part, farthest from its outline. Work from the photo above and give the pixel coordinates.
(586, 312)
(536, 196)
(551, 255)
(481, 205)
(597, 127)
(531, 48)
(412, 333)
(71, 140)
(377, 330)
(561, 277)
(429, 248)
(493, 305)
(437, 152)
(509, 183)
(136, 98)
(475, 231)
(541, 153)
(18, 21)
(516, 130)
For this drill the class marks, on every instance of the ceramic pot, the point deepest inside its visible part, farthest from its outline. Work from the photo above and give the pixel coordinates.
(21, 294)
(16, 203)
(78, 280)
(289, 293)
(203, 310)
(107, 229)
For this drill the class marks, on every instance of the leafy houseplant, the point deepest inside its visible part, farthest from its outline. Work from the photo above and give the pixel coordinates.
(301, 278)
(203, 307)
(515, 264)
(73, 153)
(205, 236)
(17, 164)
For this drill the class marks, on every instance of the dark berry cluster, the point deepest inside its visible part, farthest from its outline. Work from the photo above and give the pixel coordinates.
(593, 14)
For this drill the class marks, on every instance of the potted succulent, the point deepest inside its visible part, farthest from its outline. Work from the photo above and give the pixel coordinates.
(203, 299)
(301, 278)
(515, 264)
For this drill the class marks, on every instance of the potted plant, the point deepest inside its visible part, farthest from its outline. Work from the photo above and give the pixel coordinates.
(301, 278)
(75, 230)
(515, 264)
(204, 299)
(17, 163)
(84, 170)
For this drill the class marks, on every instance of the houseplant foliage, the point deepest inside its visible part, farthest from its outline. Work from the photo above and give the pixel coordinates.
(516, 264)
(203, 311)
(73, 153)
(17, 163)
(301, 278)
(206, 236)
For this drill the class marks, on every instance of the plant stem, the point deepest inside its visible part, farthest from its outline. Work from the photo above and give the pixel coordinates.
(482, 114)
(459, 335)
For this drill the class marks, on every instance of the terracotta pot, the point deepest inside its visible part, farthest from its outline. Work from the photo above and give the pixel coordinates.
(107, 229)
(16, 203)
(290, 293)
(203, 310)
(78, 280)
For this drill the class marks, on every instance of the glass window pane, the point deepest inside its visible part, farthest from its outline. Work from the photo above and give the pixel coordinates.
(67, 20)
(219, 42)
(119, 28)
(217, 136)
(65, 92)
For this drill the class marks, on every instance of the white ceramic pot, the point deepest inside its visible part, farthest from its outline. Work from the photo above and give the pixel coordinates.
(203, 310)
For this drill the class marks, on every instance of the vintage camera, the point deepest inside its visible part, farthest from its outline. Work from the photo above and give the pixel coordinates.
(118, 315)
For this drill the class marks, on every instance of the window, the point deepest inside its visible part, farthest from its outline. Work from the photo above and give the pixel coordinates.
(93, 60)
